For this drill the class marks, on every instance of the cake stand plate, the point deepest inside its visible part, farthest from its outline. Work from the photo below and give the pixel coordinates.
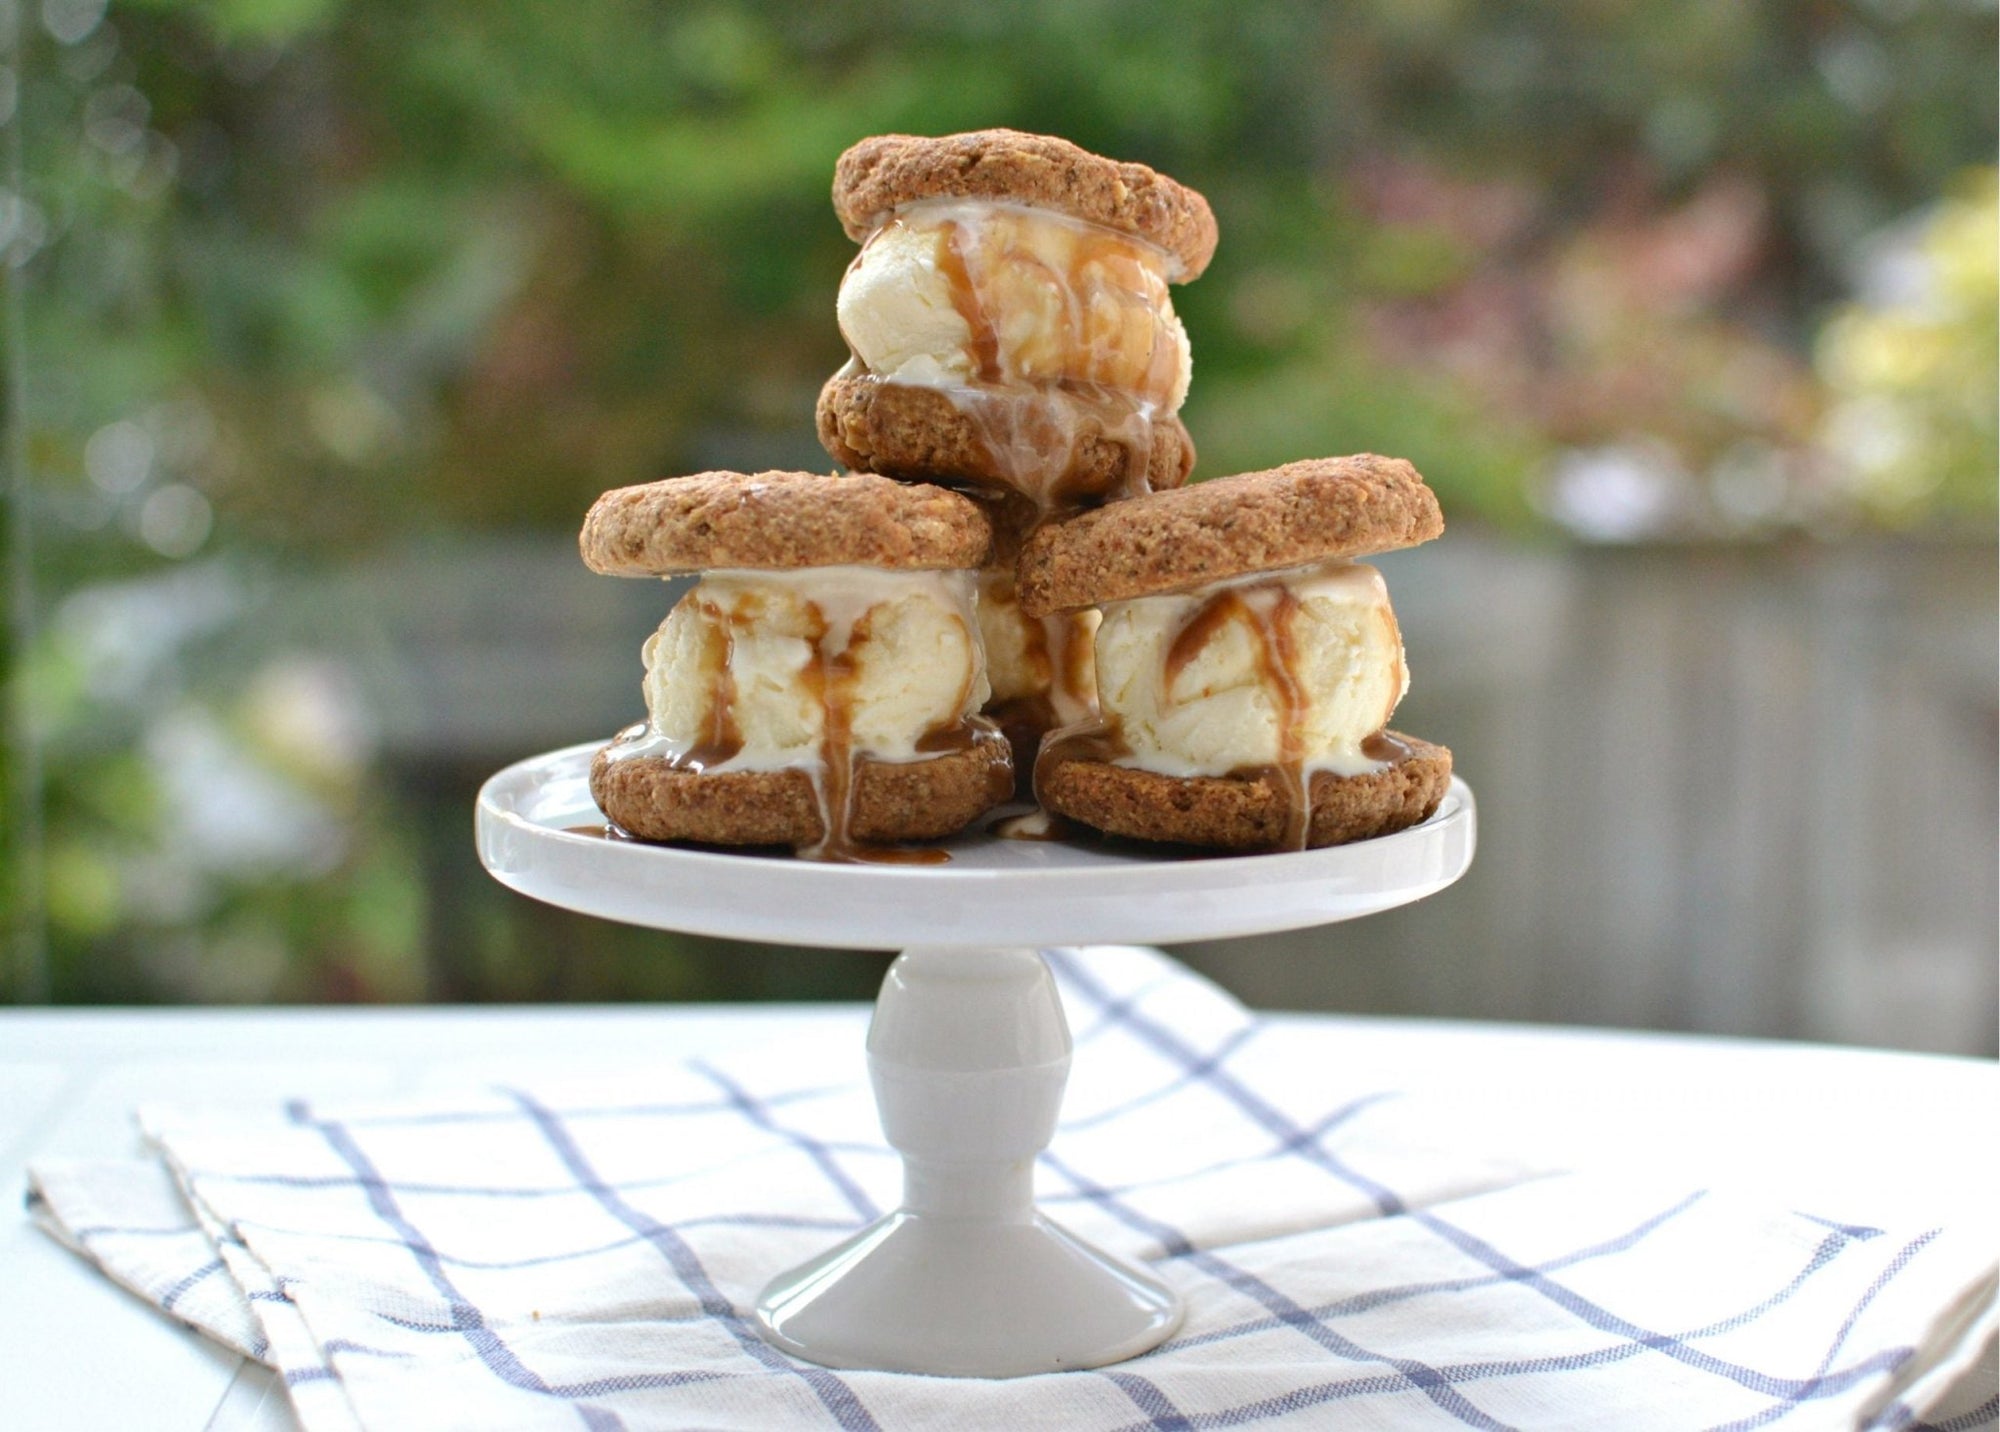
(968, 1050)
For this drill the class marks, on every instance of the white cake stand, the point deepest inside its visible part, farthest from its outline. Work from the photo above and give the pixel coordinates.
(968, 1050)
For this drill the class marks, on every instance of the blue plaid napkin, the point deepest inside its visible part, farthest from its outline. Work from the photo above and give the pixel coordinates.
(585, 1254)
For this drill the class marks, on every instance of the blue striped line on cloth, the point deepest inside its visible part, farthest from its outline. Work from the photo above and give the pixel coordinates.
(1384, 1297)
(1852, 1230)
(467, 1320)
(1110, 1013)
(1596, 1316)
(181, 1289)
(475, 1190)
(1296, 1399)
(333, 1345)
(758, 1112)
(1344, 1388)
(834, 1394)
(1413, 1374)
(1245, 1099)
(118, 1230)
(1824, 1383)
(1150, 1399)
(1282, 1149)
(1169, 1044)
(683, 1109)
(795, 1222)
(1191, 1075)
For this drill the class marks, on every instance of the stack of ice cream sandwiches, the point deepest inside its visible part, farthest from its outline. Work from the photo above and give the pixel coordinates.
(1010, 591)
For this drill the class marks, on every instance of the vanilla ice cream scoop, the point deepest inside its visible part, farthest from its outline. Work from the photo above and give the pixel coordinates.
(1036, 658)
(749, 668)
(1290, 669)
(950, 294)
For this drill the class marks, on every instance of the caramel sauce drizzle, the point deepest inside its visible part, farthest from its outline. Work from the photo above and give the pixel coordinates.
(832, 675)
(1068, 643)
(722, 738)
(1269, 612)
(985, 346)
(1033, 427)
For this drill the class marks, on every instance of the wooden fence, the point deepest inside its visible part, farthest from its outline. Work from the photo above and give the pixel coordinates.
(1739, 789)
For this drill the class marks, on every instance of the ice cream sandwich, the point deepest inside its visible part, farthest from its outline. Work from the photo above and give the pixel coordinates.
(1247, 664)
(1009, 316)
(818, 686)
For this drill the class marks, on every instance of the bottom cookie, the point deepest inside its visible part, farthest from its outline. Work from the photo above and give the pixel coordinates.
(653, 799)
(1013, 441)
(1245, 812)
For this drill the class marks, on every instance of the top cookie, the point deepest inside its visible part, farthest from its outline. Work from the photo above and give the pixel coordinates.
(780, 521)
(1316, 510)
(880, 174)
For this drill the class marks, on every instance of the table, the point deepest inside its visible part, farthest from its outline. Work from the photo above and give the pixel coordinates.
(1897, 1139)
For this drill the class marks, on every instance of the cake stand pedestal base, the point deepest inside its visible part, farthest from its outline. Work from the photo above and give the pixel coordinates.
(968, 1053)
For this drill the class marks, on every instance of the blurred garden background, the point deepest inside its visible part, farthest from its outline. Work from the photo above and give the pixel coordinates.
(325, 321)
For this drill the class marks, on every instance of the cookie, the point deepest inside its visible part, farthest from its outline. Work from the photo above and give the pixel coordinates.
(954, 436)
(651, 798)
(1246, 813)
(881, 174)
(782, 521)
(1316, 510)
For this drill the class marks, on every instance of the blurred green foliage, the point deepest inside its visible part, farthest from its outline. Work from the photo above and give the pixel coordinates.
(303, 276)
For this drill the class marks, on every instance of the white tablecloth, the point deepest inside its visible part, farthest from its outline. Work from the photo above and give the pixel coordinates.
(1392, 1252)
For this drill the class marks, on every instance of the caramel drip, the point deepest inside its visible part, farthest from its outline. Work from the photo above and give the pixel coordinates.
(1035, 642)
(720, 738)
(897, 855)
(952, 738)
(1095, 738)
(952, 263)
(1067, 643)
(1033, 439)
(1057, 651)
(1269, 611)
(964, 698)
(833, 675)
(1278, 661)
(1386, 747)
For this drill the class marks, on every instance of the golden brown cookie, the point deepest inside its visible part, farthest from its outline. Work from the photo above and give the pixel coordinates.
(1316, 510)
(781, 521)
(878, 175)
(649, 797)
(1063, 448)
(1244, 813)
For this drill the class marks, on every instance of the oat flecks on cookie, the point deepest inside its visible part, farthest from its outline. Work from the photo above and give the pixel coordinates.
(649, 797)
(782, 521)
(1246, 813)
(880, 174)
(1316, 510)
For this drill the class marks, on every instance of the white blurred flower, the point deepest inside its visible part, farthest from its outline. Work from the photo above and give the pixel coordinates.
(233, 814)
(1621, 492)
